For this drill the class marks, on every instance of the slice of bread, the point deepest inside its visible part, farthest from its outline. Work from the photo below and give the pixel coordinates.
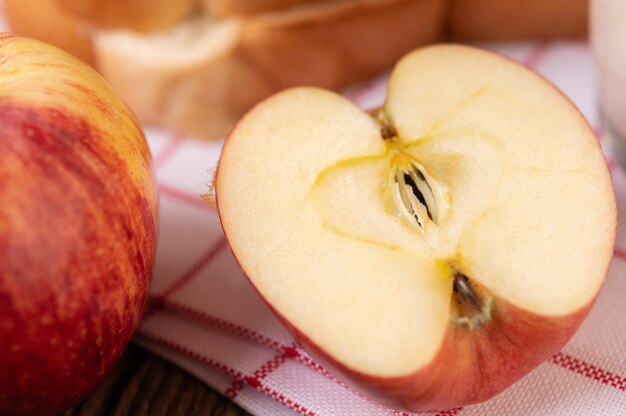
(143, 15)
(201, 72)
(50, 24)
(200, 76)
(516, 20)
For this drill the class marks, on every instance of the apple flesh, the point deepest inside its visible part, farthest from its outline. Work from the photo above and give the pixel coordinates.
(436, 252)
(78, 216)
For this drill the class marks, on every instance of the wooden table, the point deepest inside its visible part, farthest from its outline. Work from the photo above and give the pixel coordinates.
(143, 384)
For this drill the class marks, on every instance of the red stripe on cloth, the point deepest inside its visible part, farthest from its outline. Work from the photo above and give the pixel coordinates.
(567, 362)
(561, 359)
(167, 152)
(589, 370)
(189, 353)
(571, 363)
(288, 351)
(232, 391)
(314, 365)
(183, 196)
(224, 325)
(176, 347)
(285, 350)
(536, 55)
(288, 402)
(268, 368)
(450, 412)
(255, 379)
(205, 260)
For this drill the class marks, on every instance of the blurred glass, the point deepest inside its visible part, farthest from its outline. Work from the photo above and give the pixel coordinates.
(608, 40)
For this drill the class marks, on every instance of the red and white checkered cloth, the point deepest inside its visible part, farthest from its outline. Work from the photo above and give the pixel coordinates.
(211, 322)
(207, 319)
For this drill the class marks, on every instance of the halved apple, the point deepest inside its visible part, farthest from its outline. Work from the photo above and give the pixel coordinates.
(432, 253)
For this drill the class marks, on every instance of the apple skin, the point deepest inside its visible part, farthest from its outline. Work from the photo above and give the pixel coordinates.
(78, 226)
(471, 366)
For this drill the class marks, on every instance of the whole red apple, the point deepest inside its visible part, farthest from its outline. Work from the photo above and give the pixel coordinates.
(78, 213)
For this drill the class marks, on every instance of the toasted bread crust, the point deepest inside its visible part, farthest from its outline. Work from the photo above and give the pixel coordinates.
(222, 8)
(278, 44)
(329, 45)
(144, 15)
(51, 24)
(516, 20)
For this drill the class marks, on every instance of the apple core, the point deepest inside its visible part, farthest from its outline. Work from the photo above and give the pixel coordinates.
(418, 199)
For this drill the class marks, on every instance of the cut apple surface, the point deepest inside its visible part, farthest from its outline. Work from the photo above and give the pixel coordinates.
(436, 251)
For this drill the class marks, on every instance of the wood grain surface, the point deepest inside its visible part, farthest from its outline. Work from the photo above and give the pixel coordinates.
(143, 384)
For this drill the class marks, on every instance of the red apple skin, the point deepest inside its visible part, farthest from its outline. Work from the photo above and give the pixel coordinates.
(78, 213)
(471, 366)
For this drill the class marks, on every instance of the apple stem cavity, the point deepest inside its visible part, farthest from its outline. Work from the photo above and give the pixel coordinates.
(388, 132)
(387, 129)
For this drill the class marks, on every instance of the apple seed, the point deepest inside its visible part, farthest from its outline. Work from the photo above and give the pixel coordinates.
(464, 290)
(415, 195)
(473, 304)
